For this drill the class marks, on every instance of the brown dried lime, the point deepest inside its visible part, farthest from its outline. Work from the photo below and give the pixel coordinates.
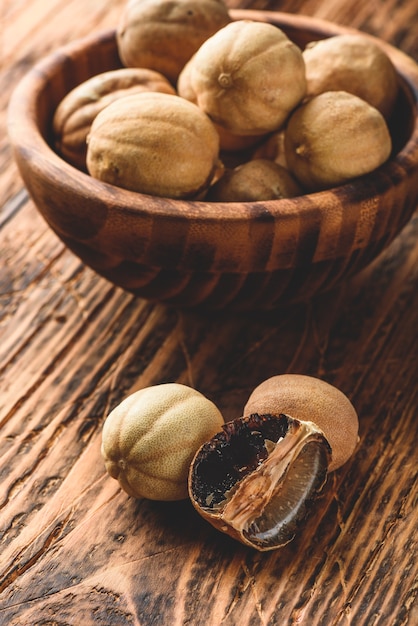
(259, 179)
(308, 398)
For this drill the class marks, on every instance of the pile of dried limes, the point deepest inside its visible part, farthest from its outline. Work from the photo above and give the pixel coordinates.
(210, 108)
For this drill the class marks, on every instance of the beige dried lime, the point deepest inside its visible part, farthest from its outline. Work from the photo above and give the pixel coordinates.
(154, 143)
(353, 63)
(150, 438)
(76, 112)
(259, 179)
(247, 77)
(163, 34)
(310, 399)
(228, 141)
(333, 138)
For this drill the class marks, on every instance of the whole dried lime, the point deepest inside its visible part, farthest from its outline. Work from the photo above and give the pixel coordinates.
(149, 440)
(164, 34)
(352, 62)
(310, 399)
(259, 179)
(333, 138)
(247, 77)
(154, 143)
(76, 112)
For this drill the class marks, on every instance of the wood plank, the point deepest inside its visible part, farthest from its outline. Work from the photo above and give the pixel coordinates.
(74, 549)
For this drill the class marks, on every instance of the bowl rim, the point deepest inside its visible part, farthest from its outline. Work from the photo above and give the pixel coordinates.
(22, 117)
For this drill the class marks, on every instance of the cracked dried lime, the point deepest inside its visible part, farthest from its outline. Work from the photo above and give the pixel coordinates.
(257, 479)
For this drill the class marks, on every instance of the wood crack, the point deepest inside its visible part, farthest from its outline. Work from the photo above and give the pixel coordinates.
(55, 534)
(51, 365)
(12, 207)
(19, 570)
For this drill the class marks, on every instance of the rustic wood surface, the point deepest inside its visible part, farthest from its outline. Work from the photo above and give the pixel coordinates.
(74, 549)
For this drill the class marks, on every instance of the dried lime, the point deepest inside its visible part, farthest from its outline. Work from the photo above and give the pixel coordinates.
(150, 438)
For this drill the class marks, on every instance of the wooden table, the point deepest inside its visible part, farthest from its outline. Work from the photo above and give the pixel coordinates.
(74, 549)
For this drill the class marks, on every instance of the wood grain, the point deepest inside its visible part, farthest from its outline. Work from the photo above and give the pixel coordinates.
(73, 548)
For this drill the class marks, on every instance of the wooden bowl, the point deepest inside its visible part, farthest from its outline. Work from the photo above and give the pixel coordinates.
(241, 256)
